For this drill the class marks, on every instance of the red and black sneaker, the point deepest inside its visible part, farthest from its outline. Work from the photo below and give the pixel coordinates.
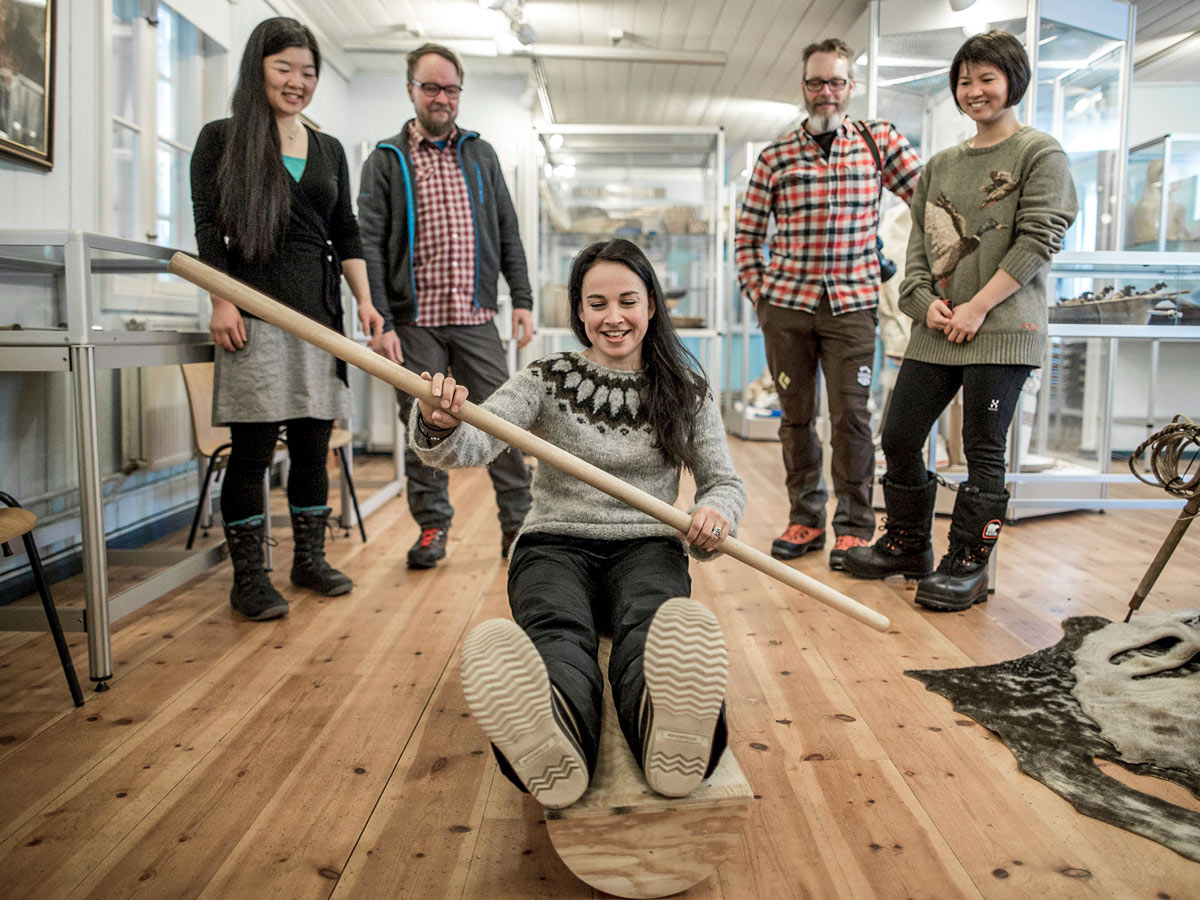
(843, 545)
(429, 548)
(797, 540)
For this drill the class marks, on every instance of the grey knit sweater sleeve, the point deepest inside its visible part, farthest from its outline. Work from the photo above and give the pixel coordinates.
(976, 211)
(598, 415)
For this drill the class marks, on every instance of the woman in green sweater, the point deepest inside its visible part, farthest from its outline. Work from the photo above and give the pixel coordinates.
(987, 216)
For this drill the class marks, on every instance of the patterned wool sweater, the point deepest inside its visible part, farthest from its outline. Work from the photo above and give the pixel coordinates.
(975, 211)
(598, 415)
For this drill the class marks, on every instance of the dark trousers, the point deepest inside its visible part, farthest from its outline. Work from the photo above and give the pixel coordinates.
(474, 355)
(565, 591)
(844, 345)
(923, 390)
(251, 454)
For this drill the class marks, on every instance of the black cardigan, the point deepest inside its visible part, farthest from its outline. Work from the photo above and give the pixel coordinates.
(321, 232)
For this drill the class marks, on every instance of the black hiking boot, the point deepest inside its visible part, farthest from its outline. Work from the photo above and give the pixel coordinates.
(253, 595)
(309, 568)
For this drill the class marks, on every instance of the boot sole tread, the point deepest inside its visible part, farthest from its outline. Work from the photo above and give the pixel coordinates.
(508, 692)
(685, 667)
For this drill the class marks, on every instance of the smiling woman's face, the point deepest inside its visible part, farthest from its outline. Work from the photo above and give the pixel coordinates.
(291, 78)
(616, 312)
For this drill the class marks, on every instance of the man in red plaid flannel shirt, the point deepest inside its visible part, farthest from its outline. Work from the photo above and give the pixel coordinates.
(438, 229)
(816, 297)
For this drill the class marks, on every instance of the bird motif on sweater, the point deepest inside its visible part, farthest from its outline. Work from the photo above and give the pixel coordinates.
(1002, 184)
(948, 235)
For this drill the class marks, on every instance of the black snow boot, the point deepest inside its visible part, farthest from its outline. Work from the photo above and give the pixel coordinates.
(309, 568)
(961, 579)
(253, 595)
(906, 549)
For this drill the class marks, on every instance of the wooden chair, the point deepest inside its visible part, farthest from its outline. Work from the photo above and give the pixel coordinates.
(15, 522)
(213, 442)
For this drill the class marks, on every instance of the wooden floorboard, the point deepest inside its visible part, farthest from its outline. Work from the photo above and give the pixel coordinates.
(331, 754)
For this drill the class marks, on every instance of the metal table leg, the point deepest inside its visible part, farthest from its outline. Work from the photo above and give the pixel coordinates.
(91, 505)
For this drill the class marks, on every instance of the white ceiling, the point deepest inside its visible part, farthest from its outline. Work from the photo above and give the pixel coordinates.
(752, 93)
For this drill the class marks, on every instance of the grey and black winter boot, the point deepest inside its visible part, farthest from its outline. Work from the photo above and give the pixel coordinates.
(906, 548)
(253, 595)
(309, 568)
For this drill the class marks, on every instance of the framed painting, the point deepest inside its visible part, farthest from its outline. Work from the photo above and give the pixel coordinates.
(27, 80)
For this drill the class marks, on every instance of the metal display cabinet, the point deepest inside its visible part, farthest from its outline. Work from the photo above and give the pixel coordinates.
(658, 187)
(748, 416)
(1166, 166)
(1119, 365)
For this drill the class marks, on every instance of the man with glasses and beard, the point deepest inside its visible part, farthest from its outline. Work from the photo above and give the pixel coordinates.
(438, 229)
(816, 295)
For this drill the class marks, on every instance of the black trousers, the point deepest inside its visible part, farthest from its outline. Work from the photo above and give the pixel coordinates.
(565, 591)
(252, 451)
(923, 390)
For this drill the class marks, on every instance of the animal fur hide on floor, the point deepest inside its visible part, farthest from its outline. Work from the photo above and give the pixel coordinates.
(1126, 693)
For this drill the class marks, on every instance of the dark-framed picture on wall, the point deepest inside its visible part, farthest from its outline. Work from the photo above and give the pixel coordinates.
(27, 80)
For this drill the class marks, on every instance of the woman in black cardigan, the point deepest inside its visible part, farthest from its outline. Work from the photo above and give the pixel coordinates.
(271, 200)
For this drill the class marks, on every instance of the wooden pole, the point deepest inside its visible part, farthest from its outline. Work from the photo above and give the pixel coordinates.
(247, 298)
(1190, 510)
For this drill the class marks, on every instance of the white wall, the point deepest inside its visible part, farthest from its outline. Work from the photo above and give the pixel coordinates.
(66, 196)
(379, 105)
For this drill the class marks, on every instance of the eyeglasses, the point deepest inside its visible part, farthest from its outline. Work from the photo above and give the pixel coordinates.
(429, 89)
(815, 84)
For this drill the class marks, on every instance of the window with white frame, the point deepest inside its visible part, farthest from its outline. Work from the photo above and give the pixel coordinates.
(164, 78)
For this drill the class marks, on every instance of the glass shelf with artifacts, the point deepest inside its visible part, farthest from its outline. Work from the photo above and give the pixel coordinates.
(1120, 364)
(659, 188)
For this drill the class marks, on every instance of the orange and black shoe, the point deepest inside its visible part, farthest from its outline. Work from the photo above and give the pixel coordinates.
(429, 548)
(797, 540)
(844, 544)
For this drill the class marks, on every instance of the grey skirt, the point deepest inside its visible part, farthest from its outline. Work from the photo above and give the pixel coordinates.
(274, 377)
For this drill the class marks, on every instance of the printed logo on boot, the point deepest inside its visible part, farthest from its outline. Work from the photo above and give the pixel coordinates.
(991, 530)
(994, 406)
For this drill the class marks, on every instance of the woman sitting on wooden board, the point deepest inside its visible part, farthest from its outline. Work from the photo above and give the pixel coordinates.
(635, 404)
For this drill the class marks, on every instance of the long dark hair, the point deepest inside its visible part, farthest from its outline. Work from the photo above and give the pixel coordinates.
(675, 385)
(255, 195)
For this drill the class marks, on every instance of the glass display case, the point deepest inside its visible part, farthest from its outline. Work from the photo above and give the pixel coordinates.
(1120, 364)
(1154, 289)
(749, 402)
(1173, 161)
(1080, 54)
(658, 187)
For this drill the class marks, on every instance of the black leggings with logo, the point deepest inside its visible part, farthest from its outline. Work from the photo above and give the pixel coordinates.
(923, 390)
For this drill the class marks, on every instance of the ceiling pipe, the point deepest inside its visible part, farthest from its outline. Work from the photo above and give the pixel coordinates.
(483, 48)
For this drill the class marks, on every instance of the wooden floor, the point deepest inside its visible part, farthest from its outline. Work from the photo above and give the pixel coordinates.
(330, 754)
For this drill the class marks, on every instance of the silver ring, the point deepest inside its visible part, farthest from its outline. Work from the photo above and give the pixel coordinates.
(716, 531)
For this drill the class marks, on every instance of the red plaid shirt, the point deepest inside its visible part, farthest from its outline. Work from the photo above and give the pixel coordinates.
(826, 216)
(444, 253)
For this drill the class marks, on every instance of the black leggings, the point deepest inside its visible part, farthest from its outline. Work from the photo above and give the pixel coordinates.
(923, 390)
(253, 449)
